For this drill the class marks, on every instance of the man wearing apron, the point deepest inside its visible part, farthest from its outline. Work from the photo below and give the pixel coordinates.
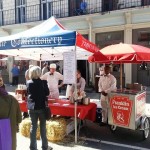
(52, 78)
(107, 83)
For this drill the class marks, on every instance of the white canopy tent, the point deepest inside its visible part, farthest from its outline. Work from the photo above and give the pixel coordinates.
(16, 58)
(47, 41)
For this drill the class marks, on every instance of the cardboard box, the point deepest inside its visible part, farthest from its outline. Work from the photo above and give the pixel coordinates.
(70, 125)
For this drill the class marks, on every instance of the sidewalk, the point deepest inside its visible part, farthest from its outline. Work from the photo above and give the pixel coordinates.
(23, 144)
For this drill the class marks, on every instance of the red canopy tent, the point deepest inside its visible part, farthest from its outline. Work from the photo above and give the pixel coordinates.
(122, 53)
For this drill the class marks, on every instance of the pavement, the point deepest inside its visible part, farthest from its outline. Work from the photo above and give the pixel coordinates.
(92, 136)
(67, 144)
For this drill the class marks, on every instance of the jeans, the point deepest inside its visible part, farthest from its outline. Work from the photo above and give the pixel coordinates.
(35, 115)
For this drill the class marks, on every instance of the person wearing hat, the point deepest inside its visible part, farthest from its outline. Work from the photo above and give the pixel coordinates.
(45, 68)
(9, 109)
(53, 78)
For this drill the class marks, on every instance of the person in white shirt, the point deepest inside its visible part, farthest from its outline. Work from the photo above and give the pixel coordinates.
(107, 83)
(52, 78)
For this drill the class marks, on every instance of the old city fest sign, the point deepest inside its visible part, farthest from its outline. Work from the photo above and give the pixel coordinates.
(121, 107)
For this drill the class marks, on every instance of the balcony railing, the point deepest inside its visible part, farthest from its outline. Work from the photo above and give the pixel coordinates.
(65, 8)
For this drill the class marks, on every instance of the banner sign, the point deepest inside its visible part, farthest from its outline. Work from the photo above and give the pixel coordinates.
(140, 104)
(121, 108)
(85, 44)
(42, 41)
(69, 67)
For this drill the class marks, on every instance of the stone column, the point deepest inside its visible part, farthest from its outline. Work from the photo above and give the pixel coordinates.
(94, 66)
(128, 40)
(92, 39)
(128, 67)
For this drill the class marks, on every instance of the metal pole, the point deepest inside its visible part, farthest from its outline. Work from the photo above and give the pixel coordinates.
(40, 61)
(121, 76)
(87, 73)
(75, 109)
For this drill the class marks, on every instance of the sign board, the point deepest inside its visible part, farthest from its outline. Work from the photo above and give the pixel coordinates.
(69, 67)
(121, 107)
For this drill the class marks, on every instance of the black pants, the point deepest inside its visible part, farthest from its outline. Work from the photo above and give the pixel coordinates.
(15, 80)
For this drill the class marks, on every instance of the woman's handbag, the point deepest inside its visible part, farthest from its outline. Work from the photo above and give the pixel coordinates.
(30, 104)
(47, 110)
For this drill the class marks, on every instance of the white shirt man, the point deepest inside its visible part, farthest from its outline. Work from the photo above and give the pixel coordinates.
(52, 78)
(107, 83)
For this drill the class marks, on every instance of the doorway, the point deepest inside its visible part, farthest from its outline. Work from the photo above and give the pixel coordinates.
(83, 66)
(73, 5)
(20, 11)
(46, 9)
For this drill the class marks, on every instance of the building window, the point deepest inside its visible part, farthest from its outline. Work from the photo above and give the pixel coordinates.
(46, 9)
(20, 11)
(144, 36)
(1, 12)
(108, 38)
(141, 37)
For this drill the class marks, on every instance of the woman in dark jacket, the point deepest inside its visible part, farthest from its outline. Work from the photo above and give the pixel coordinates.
(37, 96)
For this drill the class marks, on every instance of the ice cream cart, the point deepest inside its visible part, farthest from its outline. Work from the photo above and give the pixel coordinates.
(127, 110)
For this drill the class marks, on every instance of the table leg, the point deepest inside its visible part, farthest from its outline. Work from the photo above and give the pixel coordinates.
(81, 124)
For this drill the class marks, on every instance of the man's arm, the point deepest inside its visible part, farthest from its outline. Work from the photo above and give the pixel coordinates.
(100, 84)
(60, 77)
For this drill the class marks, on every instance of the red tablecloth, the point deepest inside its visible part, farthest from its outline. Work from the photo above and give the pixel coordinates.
(64, 108)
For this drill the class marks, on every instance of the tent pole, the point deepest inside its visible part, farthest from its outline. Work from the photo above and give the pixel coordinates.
(121, 76)
(75, 109)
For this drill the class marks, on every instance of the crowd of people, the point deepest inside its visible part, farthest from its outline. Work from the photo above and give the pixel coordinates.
(40, 84)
